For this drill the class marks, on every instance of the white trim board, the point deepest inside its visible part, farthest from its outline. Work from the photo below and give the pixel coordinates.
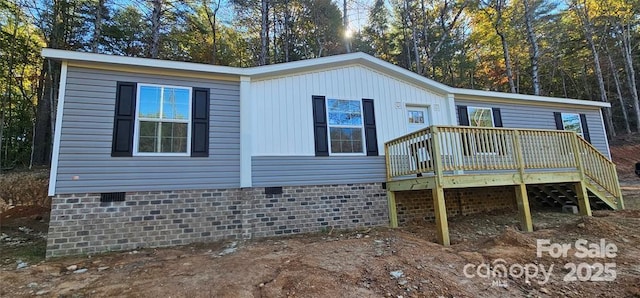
(58, 130)
(246, 117)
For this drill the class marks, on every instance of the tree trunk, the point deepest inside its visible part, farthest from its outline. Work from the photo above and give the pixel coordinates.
(446, 29)
(631, 73)
(616, 80)
(535, 51)
(97, 27)
(425, 35)
(505, 46)
(507, 61)
(345, 24)
(264, 27)
(405, 24)
(414, 28)
(287, 30)
(156, 14)
(212, 18)
(1, 133)
(588, 33)
(43, 127)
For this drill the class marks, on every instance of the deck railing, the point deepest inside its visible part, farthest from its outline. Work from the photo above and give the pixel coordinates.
(600, 169)
(439, 149)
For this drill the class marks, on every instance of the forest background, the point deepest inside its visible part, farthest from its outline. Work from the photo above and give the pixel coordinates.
(584, 49)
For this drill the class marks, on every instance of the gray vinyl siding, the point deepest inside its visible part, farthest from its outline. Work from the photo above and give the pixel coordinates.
(541, 117)
(86, 135)
(311, 170)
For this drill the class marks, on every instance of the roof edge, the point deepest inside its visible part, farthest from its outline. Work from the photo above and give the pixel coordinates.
(136, 61)
(531, 98)
(304, 65)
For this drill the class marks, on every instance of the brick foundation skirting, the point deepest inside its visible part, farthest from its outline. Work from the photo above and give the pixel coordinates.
(417, 206)
(81, 224)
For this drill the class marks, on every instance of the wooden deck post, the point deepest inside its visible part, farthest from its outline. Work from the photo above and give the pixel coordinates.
(523, 207)
(583, 198)
(393, 213)
(440, 210)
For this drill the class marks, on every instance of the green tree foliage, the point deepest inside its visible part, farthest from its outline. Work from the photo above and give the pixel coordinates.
(20, 64)
(484, 44)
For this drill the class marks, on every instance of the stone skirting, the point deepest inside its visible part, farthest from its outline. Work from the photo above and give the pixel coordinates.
(417, 206)
(81, 224)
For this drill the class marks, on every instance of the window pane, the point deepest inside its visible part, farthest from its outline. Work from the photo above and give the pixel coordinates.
(147, 144)
(149, 102)
(344, 112)
(480, 117)
(571, 122)
(174, 137)
(175, 103)
(416, 117)
(148, 129)
(148, 136)
(346, 140)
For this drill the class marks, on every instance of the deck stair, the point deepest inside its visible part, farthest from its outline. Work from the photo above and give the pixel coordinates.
(562, 194)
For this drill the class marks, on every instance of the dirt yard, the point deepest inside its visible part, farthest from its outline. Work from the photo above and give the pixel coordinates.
(403, 262)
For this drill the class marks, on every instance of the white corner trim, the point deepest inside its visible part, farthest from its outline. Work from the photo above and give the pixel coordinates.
(58, 130)
(451, 109)
(246, 117)
(606, 137)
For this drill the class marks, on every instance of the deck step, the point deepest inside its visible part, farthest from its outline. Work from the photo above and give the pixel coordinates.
(558, 195)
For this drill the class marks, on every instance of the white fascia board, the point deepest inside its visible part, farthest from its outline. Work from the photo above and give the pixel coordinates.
(533, 98)
(134, 61)
(53, 174)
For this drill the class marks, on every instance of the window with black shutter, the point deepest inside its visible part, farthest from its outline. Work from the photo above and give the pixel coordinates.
(159, 120)
(479, 142)
(344, 126)
(573, 122)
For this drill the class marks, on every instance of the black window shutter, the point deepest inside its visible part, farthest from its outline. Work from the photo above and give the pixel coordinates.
(320, 126)
(497, 117)
(124, 118)
(558, 117)
(463, 116)
(585, 127)
(200, 122)
(371, 138)
(463, 120)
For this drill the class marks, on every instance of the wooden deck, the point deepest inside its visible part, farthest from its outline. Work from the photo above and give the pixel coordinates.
(441, 157)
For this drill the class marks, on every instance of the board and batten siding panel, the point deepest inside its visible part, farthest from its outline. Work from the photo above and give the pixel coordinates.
(541, 117)
(87, 125)
(310, 170)
(283, 114)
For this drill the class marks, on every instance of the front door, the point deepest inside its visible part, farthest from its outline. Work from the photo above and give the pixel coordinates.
(417, 118)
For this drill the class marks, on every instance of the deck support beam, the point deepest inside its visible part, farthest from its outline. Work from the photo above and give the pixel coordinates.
(442, 226)
(393, 212)
(583, 199)
(522, 199)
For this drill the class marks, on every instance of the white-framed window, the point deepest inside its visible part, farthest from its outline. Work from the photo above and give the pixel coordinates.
(415, 116)
(572, 122)
(482, 117)
(346, 128)
(163, 120)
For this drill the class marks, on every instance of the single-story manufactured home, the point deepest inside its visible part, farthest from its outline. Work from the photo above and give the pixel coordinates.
(151, 153)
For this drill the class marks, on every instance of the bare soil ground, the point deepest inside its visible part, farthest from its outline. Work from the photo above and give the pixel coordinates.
(381, 262)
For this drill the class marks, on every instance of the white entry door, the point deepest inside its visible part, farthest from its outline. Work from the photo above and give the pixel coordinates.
(417, 118)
